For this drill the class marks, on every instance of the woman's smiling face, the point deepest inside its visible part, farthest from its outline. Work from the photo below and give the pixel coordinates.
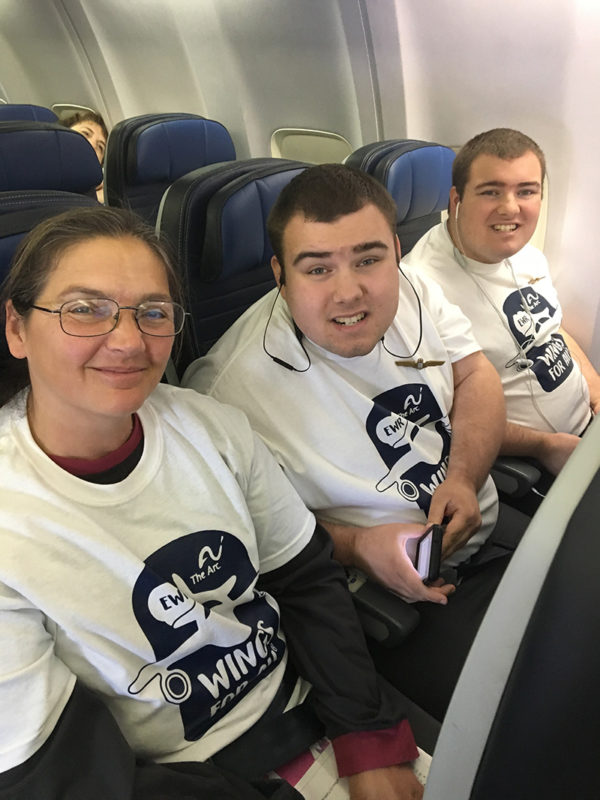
(93, 382)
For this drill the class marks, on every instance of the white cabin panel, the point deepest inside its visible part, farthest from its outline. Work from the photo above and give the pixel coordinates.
(42, 60)
(255, 66)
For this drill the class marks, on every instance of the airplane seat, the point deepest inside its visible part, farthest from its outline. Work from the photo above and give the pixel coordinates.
(417, 174)
(215, 220)
(46, 156)
(20, 211)
(26, 112)
(524, 718)
(145, 154)
(45, 168)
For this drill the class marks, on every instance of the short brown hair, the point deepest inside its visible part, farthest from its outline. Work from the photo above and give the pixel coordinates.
(85, 116)
(324, 193)
(504, 143)
(39, 252)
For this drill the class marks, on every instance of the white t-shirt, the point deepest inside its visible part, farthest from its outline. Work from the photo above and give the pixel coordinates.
(551, 394)
(109, 583)
(363, 441)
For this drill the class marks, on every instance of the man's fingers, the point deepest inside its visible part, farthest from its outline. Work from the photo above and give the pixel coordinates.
(431, 594)
(440, 594)
(437, 510)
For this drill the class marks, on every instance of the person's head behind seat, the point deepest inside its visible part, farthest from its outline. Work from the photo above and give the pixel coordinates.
(324, 193)
(91, 125)
(504, 143)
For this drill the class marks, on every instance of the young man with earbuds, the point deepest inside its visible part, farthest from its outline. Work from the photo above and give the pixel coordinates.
(370, 390)
(483, 261)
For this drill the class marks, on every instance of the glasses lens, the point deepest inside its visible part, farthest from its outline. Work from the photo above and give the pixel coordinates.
(90, 317)
(160, 318)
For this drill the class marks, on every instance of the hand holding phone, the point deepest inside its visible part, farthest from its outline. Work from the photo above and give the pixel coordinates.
(425, 552)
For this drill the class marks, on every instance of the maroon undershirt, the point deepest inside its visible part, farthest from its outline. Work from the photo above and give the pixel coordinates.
(111, 468)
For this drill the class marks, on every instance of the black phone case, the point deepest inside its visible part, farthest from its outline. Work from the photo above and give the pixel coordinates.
(435, 560)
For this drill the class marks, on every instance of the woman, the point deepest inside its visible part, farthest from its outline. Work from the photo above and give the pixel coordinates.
(144, 532)
(91, 125)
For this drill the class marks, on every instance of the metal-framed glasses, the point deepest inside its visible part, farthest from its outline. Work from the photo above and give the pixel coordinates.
(97, 316)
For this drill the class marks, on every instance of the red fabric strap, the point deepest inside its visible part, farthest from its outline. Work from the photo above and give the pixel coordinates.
(363, 750)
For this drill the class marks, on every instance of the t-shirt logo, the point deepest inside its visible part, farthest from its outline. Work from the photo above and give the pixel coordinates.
(548, 357)
(412, 436)
(213, 634)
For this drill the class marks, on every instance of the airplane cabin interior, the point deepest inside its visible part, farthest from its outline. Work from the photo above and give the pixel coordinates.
(212, 106)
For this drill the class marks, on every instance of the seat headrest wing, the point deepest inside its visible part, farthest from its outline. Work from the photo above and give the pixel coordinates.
(35, 155)
(418, 179)
(26, 112)
(166, 150)
(236, 238)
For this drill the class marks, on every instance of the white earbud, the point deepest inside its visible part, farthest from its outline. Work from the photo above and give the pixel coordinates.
(456, 212)
(520, 361)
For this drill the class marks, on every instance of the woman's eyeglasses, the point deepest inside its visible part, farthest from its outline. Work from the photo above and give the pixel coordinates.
(96, 316)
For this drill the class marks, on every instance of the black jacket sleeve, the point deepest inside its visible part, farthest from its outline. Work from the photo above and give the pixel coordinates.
(327, 644)
(87, 757)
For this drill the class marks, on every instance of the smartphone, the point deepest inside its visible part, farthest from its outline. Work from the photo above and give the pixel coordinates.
(426, 552)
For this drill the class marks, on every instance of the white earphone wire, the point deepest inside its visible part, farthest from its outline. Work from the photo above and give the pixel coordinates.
(521, 356)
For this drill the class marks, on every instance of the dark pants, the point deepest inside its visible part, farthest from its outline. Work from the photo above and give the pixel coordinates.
(427, 664)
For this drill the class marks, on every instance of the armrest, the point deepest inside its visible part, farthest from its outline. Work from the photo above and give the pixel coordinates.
(385, 617)
(513, 476)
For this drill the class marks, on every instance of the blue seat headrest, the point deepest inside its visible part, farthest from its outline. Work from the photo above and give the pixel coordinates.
(236, 239)
(26, 112)
(215, 218)
(419, 180)
(418, 175)
(164, 151)
(20, 211)
(37, 155)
